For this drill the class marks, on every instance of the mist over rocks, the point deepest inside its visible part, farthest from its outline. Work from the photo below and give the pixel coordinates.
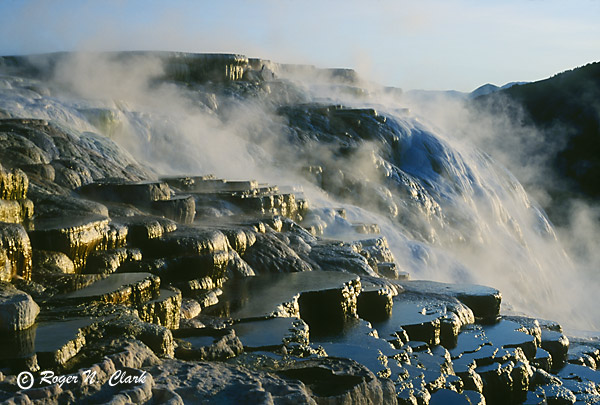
(282, 276)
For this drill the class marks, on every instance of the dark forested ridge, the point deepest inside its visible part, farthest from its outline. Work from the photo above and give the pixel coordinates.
(566, 107)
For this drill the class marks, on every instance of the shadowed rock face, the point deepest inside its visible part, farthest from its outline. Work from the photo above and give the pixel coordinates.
(17, 309)
(13, 184)
(233, 291)
(15, 252)
(14, 205)
(75, 160)
(126, 288)
(164, 309)
(142, 193)
(483, 301)
(77, 237)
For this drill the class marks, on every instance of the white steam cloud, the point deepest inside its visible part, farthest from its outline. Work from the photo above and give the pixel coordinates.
(464, 218)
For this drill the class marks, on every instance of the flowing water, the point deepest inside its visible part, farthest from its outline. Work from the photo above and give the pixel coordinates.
(448, 210)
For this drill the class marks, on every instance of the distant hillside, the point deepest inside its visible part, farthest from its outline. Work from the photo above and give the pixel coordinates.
(428, 95)
(566, 107)
(491, 88)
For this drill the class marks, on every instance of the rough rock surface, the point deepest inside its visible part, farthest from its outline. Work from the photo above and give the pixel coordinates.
(17, 309)
(196, 289)
(15, 252)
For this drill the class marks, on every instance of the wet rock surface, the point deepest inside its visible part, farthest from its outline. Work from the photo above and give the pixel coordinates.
(17, 309)
(197, 289)
(15, 252)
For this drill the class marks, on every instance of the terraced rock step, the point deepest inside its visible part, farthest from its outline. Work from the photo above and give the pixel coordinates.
(15, 252)
(125, 288)
(433, 319)
(57, 342)
(16, 211)
(375, 301)
(17, 309)
(270, 254)
(391, 270)
(163, 310)
(271, 334)
(338, 380)
(181, 208)
(109, 261)
(483, 301)
(56, 262)
(340, 256)
(189, 242)
(141, 229)
(207, 344)
(281, 295)
(13, 184)
(77, 237)
(200, 184)
(137, 193)
(186, 183)
(361, 343)
(47, 344)
(241, 197)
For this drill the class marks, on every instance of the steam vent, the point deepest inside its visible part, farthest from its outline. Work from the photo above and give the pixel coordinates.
(136, 276)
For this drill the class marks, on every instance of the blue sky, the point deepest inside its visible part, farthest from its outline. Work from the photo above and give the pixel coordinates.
(430, 44)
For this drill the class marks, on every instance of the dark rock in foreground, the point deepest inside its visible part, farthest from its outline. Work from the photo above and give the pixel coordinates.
(17, 309)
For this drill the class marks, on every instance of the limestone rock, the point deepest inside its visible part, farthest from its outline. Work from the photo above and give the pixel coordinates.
(17, 309)
(51, 206)
(319, 298)
(163, 310)
(180, 208)
(361, 343)
(16, 211)
(190, 308)
(556, 394)
(338, 381)
(237, 267)
(142, 229)
(123, 288)
(510, 334)
(58, 341)
(483, 301)
(137, 193)
(133, 354)
(271, 334)
(375, 250)
(187, 183)
(270, 255)
(221, 382)
(497, 382)
(109, 261)
(207, 344)
(13, 184)
(542, 360)
(339, 256)
(432, 319)
(58, 262)
(15, 252)
(77, 237)
(189, 242)
(557, 345)
(156, 337)
(375, 301)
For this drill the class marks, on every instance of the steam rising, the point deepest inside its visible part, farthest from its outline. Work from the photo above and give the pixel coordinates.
(459, 215)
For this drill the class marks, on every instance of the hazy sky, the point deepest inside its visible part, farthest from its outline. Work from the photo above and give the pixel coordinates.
(430, 44)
